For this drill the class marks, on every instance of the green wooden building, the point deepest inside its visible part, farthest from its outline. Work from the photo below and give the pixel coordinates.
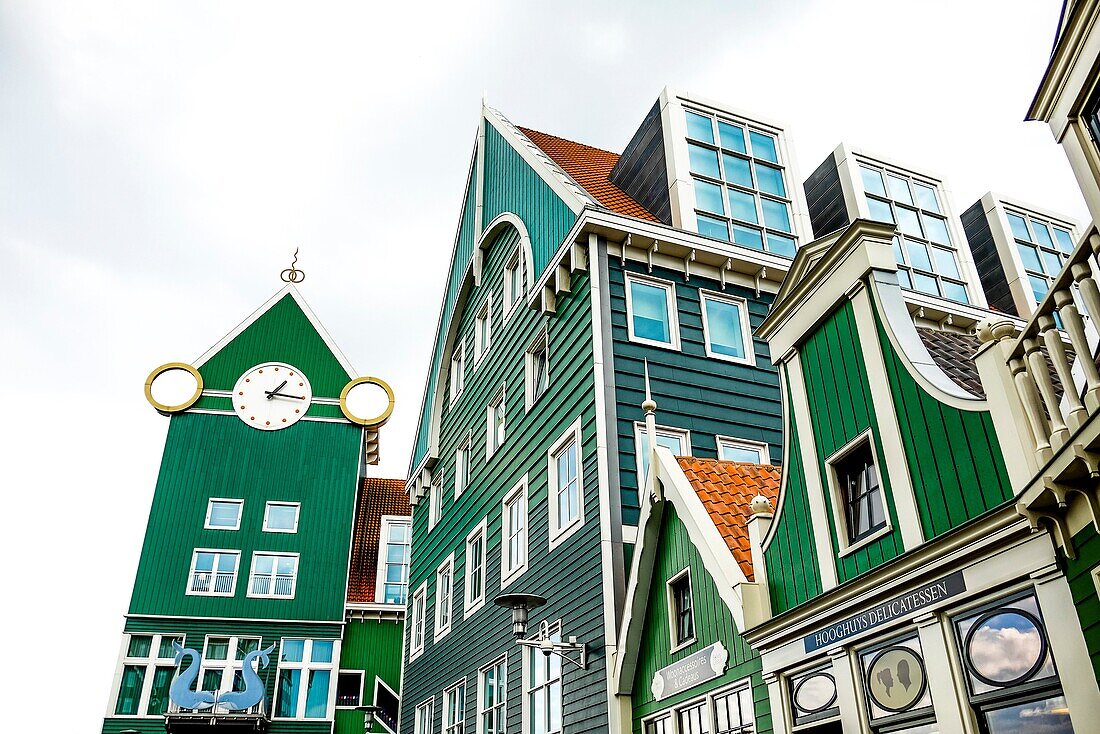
(270, 588)
(573, 268)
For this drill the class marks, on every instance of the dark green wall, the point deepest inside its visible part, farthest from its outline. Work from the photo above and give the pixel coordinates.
(373, 646)
(1081, 585)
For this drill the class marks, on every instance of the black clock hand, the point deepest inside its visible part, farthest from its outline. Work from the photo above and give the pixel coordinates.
(284, 395)
(272, 393)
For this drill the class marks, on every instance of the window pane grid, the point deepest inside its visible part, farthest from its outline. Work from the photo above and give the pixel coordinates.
(1043, 247)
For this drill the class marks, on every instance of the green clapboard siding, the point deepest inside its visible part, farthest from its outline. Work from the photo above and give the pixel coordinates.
(841, 409)
(373, 646)
(207, 456)
(281, 334)
(710, 397)
(951, 486)
(568, 576)
(1081, 585)
(713, 623)
(794, 576)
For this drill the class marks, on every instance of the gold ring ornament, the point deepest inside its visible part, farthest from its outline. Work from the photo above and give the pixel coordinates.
(173, 387)
(362, 399)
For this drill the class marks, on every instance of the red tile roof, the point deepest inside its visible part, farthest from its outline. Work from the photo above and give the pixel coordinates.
(726, 489)
(377, 497)
(590, 168)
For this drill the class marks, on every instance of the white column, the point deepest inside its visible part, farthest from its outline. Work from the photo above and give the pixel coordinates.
(953, 714)
(1067, 645)
(847, 691)
(780, 720)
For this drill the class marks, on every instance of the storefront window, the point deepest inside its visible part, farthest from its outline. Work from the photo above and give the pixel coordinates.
(727, 711)
(813, 696)
(896, 685)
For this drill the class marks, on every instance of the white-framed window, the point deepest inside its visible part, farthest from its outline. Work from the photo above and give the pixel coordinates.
(495, 422)
(444, 596)
(513, 533)
(726, 329)
(454, 708)
(651, 311)
(681, 610)
(145, 674)
(281, 517)
(387, 700)
(738, 449)
(859, 499)
(463, 456)
(726, 711)
(458, 369)
(349, 689)
(391, 584)
(418, 620)
(1043, 245)
(536, 369)
(304, 688)
(435, 501)
(515, 281)
(223, 514)
(274, 575)
(213, 572)
(483, 329)
(543, 681)
(565, 475)
(223, 663)
(422, 720)
(676, 440)
(474, 596)
(492, 696)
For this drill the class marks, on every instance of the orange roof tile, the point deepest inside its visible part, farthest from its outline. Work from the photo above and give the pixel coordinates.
(726, 488)
(377, 497)
(590, 168)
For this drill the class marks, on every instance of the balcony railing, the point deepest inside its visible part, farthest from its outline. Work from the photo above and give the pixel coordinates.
(277, 585)
(207, 582)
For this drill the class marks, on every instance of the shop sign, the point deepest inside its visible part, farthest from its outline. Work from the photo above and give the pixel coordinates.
(887, 611)
(707, 664)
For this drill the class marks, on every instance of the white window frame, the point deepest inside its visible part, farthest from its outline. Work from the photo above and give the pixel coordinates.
(502, 687)
(458, 369)
(229, 665)
(307, 664)
(670, 303)
(542, 341)
(418, 618)
(639, 446)
(454, 727)
(428, 704)
(509, 572)
(297, 516)
(463, 460)
(470, 603)
(492, 444)
(560, 533)
(379, 683)
(435, 501)
(670, 609)
(511, 299)
(746, 330)
(836, 494)
(150, 663)
(528, 689)
(672, 714)
(484, 314)
(219, 551)
(380, 568)
(228, 500)
(740, 443)
(443, 626)
(275, 554)
(362, 687)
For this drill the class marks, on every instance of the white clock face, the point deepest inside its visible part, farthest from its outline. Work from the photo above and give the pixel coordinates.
(271, 396)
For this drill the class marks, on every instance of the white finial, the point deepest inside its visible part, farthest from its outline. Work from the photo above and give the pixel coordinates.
(649, 407)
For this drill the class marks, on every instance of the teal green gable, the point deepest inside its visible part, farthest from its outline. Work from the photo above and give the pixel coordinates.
(281, 334)
(1086, 545)
(511, 185)
(311, 462)
(713, 623)
(841, 409)
(952, 486)
(794, 575)
(374, 647)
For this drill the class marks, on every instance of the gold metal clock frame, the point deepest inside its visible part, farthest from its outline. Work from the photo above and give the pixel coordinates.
(165, 368)
(368, 422)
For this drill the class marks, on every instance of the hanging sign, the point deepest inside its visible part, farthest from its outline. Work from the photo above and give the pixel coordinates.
(887, 611)
(707, 664)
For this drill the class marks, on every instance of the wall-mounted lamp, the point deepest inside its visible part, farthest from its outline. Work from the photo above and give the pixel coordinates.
(521, 605)
(370, 713)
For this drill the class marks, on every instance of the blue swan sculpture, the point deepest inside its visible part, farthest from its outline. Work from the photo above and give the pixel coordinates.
(180, 691)
(253, 691)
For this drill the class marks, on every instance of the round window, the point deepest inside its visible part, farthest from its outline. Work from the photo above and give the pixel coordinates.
(896, 678)
(815, 693)
(1005, 647)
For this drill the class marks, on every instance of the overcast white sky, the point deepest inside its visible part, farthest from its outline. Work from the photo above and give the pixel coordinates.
(159, 162)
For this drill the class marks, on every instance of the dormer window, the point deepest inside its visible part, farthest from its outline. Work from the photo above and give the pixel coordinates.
(741, 192)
